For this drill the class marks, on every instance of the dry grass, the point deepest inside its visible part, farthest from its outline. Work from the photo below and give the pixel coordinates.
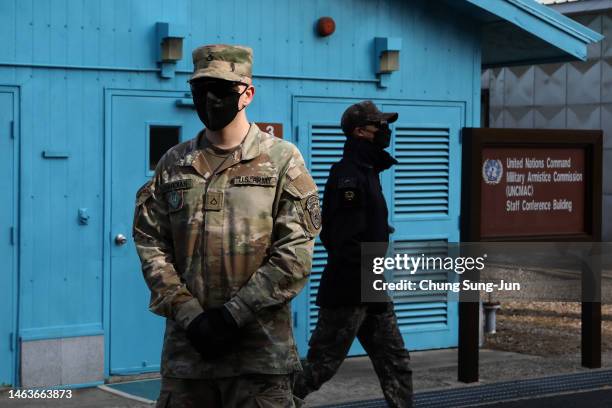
(544, 328)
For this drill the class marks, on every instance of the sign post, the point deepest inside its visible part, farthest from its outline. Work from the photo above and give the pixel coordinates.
(530, 185)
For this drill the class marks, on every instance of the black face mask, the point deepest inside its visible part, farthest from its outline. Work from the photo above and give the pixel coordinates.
(216, 102)
(382, 137)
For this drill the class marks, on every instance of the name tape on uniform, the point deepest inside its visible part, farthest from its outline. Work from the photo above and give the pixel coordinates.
(254, 180)
(184, 184)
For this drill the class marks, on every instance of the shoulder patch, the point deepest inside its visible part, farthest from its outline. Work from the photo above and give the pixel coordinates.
(313, 209)
(294, 172)
(175, 200)
(349, 193)
(302, 186)
(144, 192)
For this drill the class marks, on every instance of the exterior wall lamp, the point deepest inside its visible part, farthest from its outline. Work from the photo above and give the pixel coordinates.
(170, 47)
(387, 58)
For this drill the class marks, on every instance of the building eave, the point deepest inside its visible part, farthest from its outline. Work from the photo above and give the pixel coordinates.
(582, 6)
(524, 31)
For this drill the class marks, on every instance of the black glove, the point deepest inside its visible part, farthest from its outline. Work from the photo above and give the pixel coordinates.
(213, 332)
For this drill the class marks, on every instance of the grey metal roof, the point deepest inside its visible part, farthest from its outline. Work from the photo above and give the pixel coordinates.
(578, 6)
(551, 2)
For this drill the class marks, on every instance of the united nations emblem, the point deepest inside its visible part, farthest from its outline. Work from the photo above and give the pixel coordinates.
(314, 210)
(492, 171)
(175, 200)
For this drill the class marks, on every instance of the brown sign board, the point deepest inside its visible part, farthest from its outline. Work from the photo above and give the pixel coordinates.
(532, 191)
(275, 129)
(531, 184)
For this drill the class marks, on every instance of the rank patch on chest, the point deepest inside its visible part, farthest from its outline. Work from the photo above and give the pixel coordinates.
(268, 181)
(175, 200)
(214, 201)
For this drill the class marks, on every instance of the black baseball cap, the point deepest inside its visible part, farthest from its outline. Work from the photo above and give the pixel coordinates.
(362, 114)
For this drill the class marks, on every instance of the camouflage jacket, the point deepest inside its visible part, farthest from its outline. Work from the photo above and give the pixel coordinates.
(242, 238)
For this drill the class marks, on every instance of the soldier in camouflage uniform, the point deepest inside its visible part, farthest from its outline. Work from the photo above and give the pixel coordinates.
(225, 232)
(355, 212)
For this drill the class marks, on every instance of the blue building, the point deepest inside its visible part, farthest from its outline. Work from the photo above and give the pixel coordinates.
(92, 92)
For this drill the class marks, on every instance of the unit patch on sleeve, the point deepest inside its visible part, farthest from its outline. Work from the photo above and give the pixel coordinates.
(314, 210)
(175, 200)
(349, 192)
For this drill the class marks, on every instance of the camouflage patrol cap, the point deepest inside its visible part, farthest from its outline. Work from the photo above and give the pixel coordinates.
(229, 62)
(362, 113)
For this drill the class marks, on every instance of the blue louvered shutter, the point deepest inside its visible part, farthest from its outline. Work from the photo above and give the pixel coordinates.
(421, 179)
(422, 309)
(423, 192)
(326, 143)
(421, 189)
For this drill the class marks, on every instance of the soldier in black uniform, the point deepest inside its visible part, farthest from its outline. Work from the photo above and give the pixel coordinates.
(355, 211)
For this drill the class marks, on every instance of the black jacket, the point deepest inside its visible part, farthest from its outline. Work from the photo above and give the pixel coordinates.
(354, 211)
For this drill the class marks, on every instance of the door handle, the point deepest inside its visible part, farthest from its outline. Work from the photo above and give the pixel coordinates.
(120, 239)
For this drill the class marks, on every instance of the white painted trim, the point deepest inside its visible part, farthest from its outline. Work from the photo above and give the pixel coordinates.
(125, 394)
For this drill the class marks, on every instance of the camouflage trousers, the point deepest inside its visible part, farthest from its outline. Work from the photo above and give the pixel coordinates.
(245, 391)
(380, 337)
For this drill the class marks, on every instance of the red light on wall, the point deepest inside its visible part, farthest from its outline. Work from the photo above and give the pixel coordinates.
(326, 26)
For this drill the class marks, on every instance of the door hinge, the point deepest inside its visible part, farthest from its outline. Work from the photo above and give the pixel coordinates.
(13, 233)
(11, 346)
(295, 320)
(459, 221)
(297, 134)
(12, 129)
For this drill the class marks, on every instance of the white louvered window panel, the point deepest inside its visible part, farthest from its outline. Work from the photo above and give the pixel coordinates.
(416, 309)
(422, 175)
(326, 144)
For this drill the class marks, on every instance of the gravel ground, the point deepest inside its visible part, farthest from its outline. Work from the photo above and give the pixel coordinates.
(544, 329)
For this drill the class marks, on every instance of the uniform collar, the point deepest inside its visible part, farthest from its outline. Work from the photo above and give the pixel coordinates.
(194, 156)
(251, 144)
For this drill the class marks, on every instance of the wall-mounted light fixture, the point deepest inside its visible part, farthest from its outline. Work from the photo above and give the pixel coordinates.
(387, 57)
(326, 26)
(169, 48)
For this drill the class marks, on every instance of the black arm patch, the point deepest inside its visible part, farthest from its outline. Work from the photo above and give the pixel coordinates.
(349, 194)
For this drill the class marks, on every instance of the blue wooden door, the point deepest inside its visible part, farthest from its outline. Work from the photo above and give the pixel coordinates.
(143, 126)
(320, 139)
(422, 194)
(8, 284)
